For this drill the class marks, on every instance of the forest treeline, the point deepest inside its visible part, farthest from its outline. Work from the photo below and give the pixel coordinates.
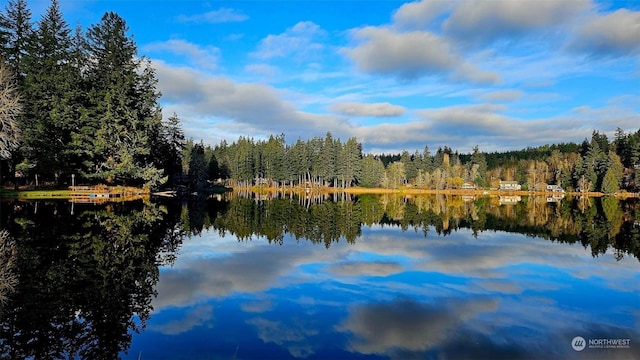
(597, 164)
(89, 110)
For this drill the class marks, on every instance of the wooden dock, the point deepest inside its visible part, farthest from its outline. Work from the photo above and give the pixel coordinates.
(83, 194)
(101, 194)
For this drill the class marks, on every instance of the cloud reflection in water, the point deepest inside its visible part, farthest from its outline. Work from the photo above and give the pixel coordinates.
(400, 295)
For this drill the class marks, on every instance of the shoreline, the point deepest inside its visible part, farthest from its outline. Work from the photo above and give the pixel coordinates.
(415, 191)
(128, 192)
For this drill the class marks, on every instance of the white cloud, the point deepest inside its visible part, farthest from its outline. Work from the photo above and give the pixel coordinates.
(300, 41)
(198, 316)
(215, 108)
(293, 336)
(419, 14)
(406, 54)
(206, 57)
(613, 34)
(484, 118)
(360, 109)
(222, 15)
(211, 105)
(485, 21)
(410, 55)
(408, 325)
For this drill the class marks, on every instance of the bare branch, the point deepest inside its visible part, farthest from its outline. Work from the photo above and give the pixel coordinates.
(10, 110)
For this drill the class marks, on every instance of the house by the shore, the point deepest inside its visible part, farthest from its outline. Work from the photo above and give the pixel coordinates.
(468, 186)
(509, 186)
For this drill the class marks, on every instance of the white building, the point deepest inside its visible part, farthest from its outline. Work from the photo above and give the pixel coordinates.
(510, 185)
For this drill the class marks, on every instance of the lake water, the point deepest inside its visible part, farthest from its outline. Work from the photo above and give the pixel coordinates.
(373, 277)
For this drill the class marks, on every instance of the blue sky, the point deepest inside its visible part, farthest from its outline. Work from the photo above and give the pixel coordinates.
(500, 74)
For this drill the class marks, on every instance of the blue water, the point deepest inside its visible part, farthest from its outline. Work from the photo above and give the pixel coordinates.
(392, 294)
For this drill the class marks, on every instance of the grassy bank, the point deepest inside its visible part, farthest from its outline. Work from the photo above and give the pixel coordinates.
(78, 193)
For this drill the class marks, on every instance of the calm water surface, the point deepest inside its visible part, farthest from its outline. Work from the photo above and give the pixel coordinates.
(373, 278)
(391, 294)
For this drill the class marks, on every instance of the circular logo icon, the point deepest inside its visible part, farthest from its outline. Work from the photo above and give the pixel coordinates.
(578, 343)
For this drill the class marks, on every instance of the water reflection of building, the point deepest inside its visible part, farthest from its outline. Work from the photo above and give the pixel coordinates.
(509, 200)
(555, 188)
(468, 186)
(468, 198)
(555, 198)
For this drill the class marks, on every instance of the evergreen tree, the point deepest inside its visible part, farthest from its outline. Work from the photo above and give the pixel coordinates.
(410, 171)
(221, 154)
(272, 158)
(300, 164)
(328, 155)
(49, 113)
(613, 175)
(213, 167)
(350, 162)
(242, 160)
(172, 146)
(15, 31)
(438, 158)
(314, 151)
(372, 171)
(123, 106)
(198, 169)
(478, 158)
(601, 140)
(427, 160)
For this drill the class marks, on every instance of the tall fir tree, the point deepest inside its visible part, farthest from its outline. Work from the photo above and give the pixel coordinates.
(47, 85)
(169, 152)
(198, 168)
(123, 107)
(15, 30)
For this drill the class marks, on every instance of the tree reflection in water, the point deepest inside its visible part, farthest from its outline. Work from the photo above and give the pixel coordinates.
(600, 223)
(84, 280)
